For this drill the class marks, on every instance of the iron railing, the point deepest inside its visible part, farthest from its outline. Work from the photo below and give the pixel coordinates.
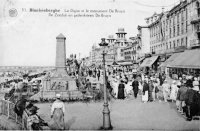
(7, 109)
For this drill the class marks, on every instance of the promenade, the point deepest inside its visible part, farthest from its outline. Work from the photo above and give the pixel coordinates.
(125, 114)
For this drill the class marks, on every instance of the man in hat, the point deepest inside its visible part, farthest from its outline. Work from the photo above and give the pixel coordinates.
(190, 101)
(57, 113)
(135, 85)
(181, 97)
(145, 91)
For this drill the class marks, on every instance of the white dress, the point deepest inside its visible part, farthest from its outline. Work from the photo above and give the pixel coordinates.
(145, 96)
(114, 85)
(174, 90)
(128, 87)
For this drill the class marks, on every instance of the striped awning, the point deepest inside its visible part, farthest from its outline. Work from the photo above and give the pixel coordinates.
(170, 59)
(149, 61)
(187, 59)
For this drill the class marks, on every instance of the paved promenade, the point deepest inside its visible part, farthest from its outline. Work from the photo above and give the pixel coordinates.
(125, 115)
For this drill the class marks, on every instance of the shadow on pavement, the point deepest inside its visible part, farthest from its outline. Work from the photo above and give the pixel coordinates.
(70, 122)
(173, 106)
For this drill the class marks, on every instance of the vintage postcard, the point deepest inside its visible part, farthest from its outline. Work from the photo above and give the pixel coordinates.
(99, 64)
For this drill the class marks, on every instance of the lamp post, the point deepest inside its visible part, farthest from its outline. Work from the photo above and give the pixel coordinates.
(106, 111)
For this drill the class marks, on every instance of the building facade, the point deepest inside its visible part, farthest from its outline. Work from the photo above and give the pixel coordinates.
(143, 41)
(194, 9)
(120, 43)
(114, 50)
(175, 29)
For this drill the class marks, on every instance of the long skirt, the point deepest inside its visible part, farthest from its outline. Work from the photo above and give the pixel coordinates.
(58, 120)
(121, 94)
(145, 96)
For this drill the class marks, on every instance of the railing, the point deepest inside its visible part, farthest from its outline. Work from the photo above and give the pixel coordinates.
(7, 109)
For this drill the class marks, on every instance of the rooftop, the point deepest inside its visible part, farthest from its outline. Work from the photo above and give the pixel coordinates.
(61, 36)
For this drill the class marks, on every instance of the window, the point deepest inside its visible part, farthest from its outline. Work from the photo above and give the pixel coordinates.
(186, 14)
(186, 41)
(186, 27)
(166, 45)
(182, 18)
(178, 18)
(174, 43)
(174, 31)
(178, 30)
(170, 33)
(182, 28)
(198, 9)
(182, 41)
(173, 19)
(178, 43)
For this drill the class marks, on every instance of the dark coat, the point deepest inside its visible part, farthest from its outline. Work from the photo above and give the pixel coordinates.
(121, 91)
(181, 93)
(192, 101)
(135, 85)
(145, 87)
(190, 97)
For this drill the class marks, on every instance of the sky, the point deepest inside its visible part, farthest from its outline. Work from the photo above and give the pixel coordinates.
(29, 38)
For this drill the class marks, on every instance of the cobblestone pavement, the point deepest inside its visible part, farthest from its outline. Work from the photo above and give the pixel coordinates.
(125, 115)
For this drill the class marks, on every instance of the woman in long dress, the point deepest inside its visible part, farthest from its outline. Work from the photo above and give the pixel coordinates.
(121, 90)
(145, 91)
(57, 114)
(174, 91)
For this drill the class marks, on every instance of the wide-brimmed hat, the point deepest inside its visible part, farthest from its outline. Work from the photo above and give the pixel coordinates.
(58, 95)
(33, 109)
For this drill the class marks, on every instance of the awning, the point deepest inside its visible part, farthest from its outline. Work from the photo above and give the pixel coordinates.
(149, 61)
(115, 63)
(187, 59)
(126, 63)
(139, 60)
(170, 59)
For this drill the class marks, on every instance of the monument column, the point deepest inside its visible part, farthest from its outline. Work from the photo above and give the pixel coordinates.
(60, 54)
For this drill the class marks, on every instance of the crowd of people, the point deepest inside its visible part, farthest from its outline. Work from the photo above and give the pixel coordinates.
(183, 91)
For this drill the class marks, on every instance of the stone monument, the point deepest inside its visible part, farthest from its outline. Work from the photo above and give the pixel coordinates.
(59, 81)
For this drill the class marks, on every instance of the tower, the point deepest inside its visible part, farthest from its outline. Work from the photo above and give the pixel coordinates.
(121, 34)
(60, 54)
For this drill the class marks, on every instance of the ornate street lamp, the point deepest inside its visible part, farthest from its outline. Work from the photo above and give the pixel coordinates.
(106, 111)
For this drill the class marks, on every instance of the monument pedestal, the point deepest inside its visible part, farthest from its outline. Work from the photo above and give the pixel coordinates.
(59, 81)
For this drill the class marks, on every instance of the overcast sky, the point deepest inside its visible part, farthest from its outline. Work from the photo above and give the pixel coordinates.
(30, 38)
